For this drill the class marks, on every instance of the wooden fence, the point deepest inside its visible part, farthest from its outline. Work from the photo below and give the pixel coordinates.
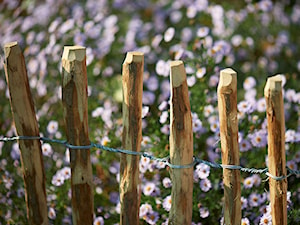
(74, 97)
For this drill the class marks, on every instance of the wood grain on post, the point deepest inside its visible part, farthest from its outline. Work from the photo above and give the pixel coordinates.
(132, 76)
(227, 105)
(181, 147)
(26, 125)
(276, 149)
(74, 97)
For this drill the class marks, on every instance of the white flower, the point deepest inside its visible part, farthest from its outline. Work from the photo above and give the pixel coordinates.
(169, 34)
(167, 203)
(202, 32)
(201, 72)
(47, 149)
(51, 213)
(52, 127)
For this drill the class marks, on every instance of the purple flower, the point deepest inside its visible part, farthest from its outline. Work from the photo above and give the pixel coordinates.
(201, 72)
(144, 164)
(250, 96)
(244, 145)
(98, 221)
(261, 105)
(148, 98)
(191, 80)
(66, 26)
(213, 81)
(145, 209)
(58, 180)
(163, 117)
(265, 5)
(191, 12)
(47, 149)
(169, 34)
(204, 212)
(167, 183)
(149, 188)
(256, 180)
(202, 32)
(254, 200)
(202, 170)
(152, 83)
(244, 202)
(15, 151)
(266, 219)
(51, 213)
(167, 203)
(152, 217)
(249, 83)
(289, 95)
(197, 124)
(52, 127)
(205, 185)
(292, 136)
(162, 68)
(114, 197)
(245, 221)
(165, 129)
(245, 107)
(248, 182)
(237, 40)
(187, 35)
(297, 157)
(175, 16)
(7, 180)
(65, 172)
(292, 165)
(258, 138)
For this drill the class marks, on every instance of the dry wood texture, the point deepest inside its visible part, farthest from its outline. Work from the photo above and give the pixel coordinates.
(276, 149)
(74, 97)
(26, 125)
(181, 147)
(227, 104)
(132, 76)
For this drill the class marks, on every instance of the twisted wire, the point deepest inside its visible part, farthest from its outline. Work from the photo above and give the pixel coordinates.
(165, 160)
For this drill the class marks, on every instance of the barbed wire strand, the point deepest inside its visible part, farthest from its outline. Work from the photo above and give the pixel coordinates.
(165, 160)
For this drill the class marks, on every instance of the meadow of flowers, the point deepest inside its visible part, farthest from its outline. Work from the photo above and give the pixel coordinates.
(255, 38)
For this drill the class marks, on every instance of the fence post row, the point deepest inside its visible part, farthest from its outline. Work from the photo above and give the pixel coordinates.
(132, 79)
(276, 149)
(26, 125)
(74, 97)
(181, 146)
(227, 105)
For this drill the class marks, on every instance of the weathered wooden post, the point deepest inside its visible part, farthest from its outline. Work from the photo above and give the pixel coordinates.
(276, 149)
(227, 104)
(26, 125)
(74, 97)
(181, 147)
(132, 75)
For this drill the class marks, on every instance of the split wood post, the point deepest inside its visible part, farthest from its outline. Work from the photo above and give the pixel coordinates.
(181, 147)
(132, 79)
(26, 125)
(227, 105)
(74, 97)
(276, 149)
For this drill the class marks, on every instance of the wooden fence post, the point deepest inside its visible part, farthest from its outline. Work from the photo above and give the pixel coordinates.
(133, 67)
(181, 147)
(276, 149)
(227, 104)
(26, 125)
(74, 97)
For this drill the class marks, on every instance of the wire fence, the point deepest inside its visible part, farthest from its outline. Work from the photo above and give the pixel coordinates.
(165, 160)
